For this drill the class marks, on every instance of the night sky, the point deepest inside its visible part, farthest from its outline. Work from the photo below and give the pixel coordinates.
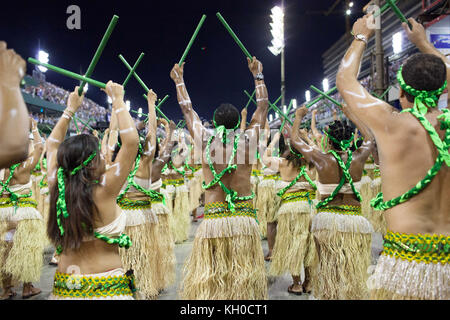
(216, 69)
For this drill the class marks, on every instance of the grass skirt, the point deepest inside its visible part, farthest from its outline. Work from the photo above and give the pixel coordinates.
(181, 216)
(142, 255)
(195, 192)
(343, 243)
(294, 245)
(26, 255)
(165, 274)
(226, 261)
(268, 202)
(402, 275)
(366, 195)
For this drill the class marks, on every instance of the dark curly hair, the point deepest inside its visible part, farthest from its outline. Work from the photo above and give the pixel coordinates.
(341, 131)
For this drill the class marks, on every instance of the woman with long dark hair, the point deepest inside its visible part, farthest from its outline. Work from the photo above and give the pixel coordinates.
(85, 224)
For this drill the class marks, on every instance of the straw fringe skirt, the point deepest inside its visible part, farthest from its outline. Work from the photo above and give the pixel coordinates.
(142, 255)
(165, 273)
(268, 202)
(195, 192)
(343, 244)
(226, 262)
(366, 195)
(181, 216)
(412, 266)
(398, 279)
(294, 246)
(24, 260)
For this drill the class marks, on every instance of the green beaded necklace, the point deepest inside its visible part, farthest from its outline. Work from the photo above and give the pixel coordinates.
(231, 195)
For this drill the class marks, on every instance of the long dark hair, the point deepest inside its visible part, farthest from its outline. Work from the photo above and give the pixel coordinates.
(342, 131)
(80, 204)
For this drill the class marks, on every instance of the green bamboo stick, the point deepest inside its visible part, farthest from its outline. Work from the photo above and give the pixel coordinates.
(233, 35)
(397, 11)
(157, 107)
(326, 96)
(86, 125)
(288, 110)
(69, 74)
(99, 51)
(250, 100)
(383, 9)
(133, 69)
(192, 40)
(76, 124)
(134, 74)
(311, 103)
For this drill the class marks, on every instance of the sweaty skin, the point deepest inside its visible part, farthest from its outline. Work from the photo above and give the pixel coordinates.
(13, 110)
(326, 165)
(97, 256)
(405, 149)
(239, 179)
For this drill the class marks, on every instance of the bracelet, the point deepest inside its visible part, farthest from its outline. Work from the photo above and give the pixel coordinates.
(180, 84)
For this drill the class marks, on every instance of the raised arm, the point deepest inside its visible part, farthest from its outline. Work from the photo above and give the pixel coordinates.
(311, 154)
(59, 133)
(116, 175)
(269, 161)
(365, 131)
(193, 122)
(375, 113)
(243, 119)
(418, 36)
(38, 146)
(13, 111)
(150, 139)
(259, 117)
(164, 153)
(316, 134)
(104, 148)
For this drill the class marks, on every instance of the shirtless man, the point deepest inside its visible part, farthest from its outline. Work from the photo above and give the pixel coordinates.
(406, 154)
(227, 260)
(13, 111)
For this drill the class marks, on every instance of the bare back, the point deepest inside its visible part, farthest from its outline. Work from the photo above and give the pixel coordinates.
(406, 154)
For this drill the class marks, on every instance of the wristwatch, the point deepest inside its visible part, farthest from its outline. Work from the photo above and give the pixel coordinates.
(361, 37)
(259, 76)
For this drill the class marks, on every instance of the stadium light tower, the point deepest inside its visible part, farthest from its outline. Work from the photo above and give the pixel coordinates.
(127, 103)
(270, 118)
(397, 42)
(308, 95)
(140, 112)
(42, 56)
(277, 47)
(85, 88)
(109, 100)
(325, 85)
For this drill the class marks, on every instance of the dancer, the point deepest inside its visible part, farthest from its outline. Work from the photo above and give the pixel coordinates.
(13, 110)
(178, 192)
(414, 263)
(343, 237)
(85, 223)
(22, 243)
(294, 249)
(226, 261)
(267, 202)
(166, 254)
(135, 200)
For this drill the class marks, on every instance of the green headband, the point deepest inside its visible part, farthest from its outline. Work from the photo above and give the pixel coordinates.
(422, 98)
